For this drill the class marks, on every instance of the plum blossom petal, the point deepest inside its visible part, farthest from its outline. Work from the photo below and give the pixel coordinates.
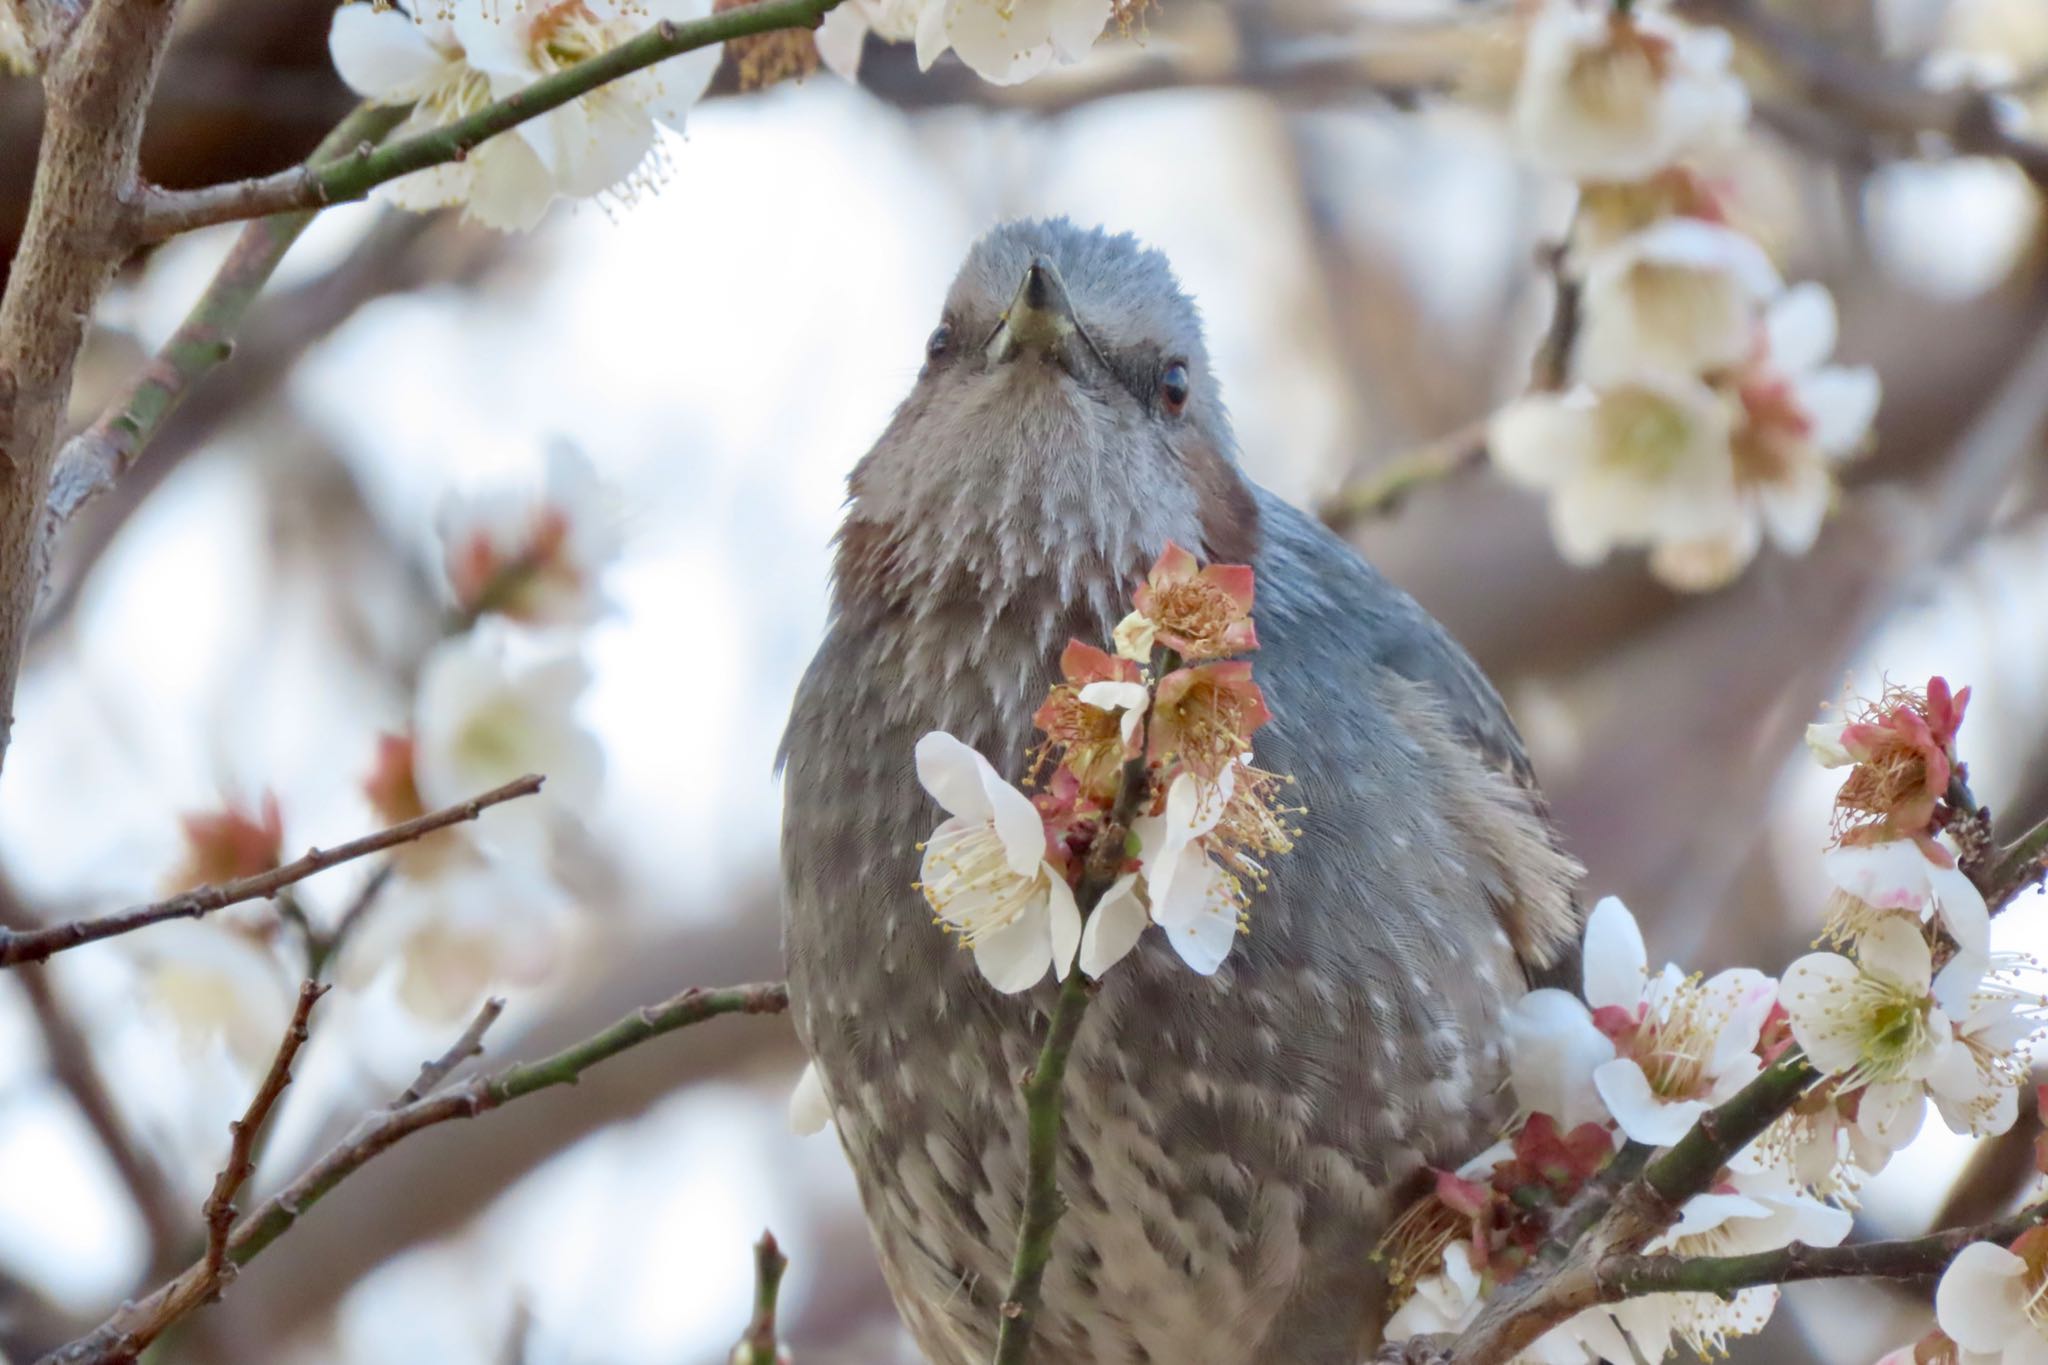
(1114, 927)
(1554, 1050)
(1683, 296)
(809, 1110)
(1643, 1114)
(1982, 1299)
(1617, 965)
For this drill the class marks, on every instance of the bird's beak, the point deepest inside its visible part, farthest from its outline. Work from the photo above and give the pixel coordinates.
(1040, 321)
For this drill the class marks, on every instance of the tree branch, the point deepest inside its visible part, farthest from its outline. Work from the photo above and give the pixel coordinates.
(1624, 1277)
(2021, 864)
(96, 89)
(164, 213)
(1877, 97)
(38, 945)
(219, 1209)
(134, 1326)
(93, 460)
(1545, 1296)
(433, 1074)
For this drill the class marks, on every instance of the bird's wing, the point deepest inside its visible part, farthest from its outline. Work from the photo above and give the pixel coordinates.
(1446, 704)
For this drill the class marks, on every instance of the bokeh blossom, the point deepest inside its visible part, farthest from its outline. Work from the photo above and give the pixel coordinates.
(535, 557)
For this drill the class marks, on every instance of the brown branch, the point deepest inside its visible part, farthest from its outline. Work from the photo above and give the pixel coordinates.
(96, 88)
(219, 1209)
(433, 1074)
(1877, 97)
(38, 945)
(1545, 1296)
(134, 1326)
(1624, 1277)
(1387, 487)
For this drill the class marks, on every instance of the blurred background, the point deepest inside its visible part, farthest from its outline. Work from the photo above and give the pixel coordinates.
(249, 611)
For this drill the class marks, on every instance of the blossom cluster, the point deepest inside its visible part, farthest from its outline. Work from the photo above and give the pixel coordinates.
(1699, 415)
(467, 907)
(1914, 1007)
(1167, 719)
(1171, 708)
(444, 60)
(451, 58)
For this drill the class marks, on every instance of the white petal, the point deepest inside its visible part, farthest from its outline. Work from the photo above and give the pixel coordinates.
(1642, 1115)
(931, 32)
(1017, 822)
(1014, 957)
(1076, 24)
(1892, 875)
(1114, 927)
(809, 1110)
(951, 772)
(1706, 1212)
(1800, 328)
(1115, 696)
(680, 82)
(841, 38)
(1896, 948)
(1204, 939)
(1553, 1048)
(1963, 911)
(1063, 924)
(510, 189)
(1808, 992)
(1980, 1301)
(1841, 403)
(497, 41)
(1795, 504)
(1752, 994)
(381, 53)
(1824, 738)
(1542, 440)
(602, 148)
(1616, 963)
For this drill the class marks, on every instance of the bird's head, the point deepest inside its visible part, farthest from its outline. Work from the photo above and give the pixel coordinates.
(1065, 409)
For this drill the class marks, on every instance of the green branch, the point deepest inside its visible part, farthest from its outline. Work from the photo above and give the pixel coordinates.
(163, 213)
(759, 1344)
(134, 1326)
(1044, 1093)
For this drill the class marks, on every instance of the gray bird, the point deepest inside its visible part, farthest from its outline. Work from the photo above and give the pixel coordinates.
(1235, 1145)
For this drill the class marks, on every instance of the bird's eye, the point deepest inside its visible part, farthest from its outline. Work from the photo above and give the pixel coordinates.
(935, 345)
(1173, 387)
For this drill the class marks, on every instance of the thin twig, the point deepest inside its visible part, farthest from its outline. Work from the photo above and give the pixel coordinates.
(135, 1325)
(37, 945)
(1387, 487)
(2021, 864)
(470, 1044)
(164, 213)
(1044, 1095)
(1879, 98)
(219, 1209)
(759, 1345)
(321, 947)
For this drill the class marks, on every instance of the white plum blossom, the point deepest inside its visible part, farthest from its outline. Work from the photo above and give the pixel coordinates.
(1679, 1045)
(1127, 698)
(1447, 1301)
(1605, 96)
(1756, 1208)
(467, 54)
(985, 871)
(1976, 1086)
(447, 941)
(809, 1109)
(1991, 1303)
(1872, 1019)
(1006, 41)
(482, 718)
(844, 31)
(1800, 418)
(1634, 463)
(536, 556)
(1896, 877)
(1683, 296)
(1185, 891)
(215, 981)
(1554, 1047)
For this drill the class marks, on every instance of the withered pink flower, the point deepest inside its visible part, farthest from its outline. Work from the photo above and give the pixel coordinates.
(1199, 613)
